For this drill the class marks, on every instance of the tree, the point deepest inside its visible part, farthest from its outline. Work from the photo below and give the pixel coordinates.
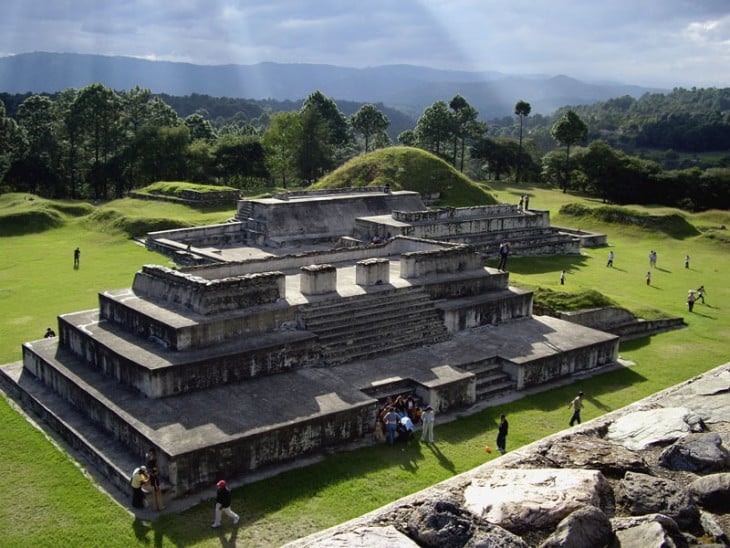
(568, 130)
(369, 121)
(324, 130)
(96, 110)
(239, 158)
(522, 109)
(499, 154)
(9, 139)
(407, 138)
(434, 128)
(200, 128)
(464, 126)
(281, 142)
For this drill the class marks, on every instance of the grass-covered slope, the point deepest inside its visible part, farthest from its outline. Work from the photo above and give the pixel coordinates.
(27, 214)
(175, 188)
(406, 168)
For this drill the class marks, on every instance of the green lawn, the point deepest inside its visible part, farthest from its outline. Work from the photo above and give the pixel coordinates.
(48, 501)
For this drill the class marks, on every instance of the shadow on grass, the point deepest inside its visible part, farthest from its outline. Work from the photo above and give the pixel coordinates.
(443, 460)
(634, 344)
(540, 265)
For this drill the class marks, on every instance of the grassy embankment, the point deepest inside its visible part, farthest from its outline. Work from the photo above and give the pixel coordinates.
(47, 500)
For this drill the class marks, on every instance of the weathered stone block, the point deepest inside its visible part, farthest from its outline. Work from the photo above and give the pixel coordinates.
(372, 272)
(318, 279)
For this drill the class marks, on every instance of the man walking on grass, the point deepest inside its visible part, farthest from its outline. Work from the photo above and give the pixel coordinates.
(576, 405)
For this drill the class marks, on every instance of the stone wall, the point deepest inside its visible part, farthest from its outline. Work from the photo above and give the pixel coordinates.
(218, 235)
(271, 446)
(588, 239)
(451, 213)
(192, 197)
(133, 316)
(206, 296)
(490, 310)
(541, 371)
(332, 215)
(621, 322)
(294, 262)
(485, 225)
(418, 264)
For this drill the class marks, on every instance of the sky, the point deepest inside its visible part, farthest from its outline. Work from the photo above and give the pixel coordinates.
(656, 43)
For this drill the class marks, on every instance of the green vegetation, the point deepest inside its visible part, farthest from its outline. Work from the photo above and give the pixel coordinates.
(552, 302)
(407, 168)
(175, 188)
(672, 224)
(48, 501)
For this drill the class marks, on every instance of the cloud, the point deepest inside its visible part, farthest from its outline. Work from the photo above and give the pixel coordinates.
(652, 42)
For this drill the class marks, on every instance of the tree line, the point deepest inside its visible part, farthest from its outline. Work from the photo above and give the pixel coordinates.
(99, 143)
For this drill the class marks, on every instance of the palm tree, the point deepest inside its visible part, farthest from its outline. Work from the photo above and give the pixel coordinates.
(522, 109)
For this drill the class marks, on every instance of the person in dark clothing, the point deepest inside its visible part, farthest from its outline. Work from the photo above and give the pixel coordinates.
(503, 254)
(49, 333)
(154, 479)
(502, 435)
(77, 257)
(223, 504)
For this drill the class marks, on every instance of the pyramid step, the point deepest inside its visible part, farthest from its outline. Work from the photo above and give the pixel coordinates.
(344, 357)
(348, 317)
(494, 390)
(379, 323)
(420, 336)
(328, 309)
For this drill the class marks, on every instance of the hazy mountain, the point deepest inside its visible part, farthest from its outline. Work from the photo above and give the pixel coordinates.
(409, 88)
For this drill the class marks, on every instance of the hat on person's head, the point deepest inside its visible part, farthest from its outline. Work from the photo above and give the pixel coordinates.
(429, 408)
(143, 469)
(221, 483)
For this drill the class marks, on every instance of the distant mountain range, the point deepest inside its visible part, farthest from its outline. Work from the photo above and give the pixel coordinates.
(406, 87)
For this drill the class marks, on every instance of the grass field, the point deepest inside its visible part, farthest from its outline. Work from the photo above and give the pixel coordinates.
(47, 500)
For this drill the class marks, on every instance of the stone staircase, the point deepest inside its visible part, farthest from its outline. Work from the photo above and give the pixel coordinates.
(245, 211)
(491, 381)
(365, 326)
(526, 241)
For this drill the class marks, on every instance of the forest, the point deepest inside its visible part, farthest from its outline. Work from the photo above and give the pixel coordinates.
(98, 143)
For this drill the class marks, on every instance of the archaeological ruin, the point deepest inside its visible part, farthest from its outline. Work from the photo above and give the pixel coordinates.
(282, 332)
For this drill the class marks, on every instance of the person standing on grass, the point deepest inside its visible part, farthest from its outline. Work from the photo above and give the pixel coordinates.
(648, 278)
(502, 434)
(562, 278)
(576, 405)
(691, 298)
(223, 505)
(391, 419)
(427, 418)
(701, 294)
(610, 259)
(686, 261)
(77, 257)
(139, 478)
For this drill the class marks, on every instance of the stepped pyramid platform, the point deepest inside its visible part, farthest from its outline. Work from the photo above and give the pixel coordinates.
(231, 367)
(324, 219)
(483, 227)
